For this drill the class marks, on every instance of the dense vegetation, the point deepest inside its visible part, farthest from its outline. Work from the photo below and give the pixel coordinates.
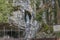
(5, 9)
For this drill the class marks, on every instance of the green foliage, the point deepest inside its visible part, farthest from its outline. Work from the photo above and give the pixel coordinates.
(39, 16)
(37, 3)
(5, 8)
(57, 34)
(46, 28)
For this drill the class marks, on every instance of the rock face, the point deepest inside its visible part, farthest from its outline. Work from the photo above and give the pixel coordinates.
(18, 18)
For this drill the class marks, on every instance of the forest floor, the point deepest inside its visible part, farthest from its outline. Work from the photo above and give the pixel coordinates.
(31, 39)
(8, 27)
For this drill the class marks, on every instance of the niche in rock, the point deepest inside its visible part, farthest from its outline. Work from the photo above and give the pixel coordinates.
(27, 16)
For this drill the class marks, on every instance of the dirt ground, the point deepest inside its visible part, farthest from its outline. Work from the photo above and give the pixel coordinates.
(31, 39)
